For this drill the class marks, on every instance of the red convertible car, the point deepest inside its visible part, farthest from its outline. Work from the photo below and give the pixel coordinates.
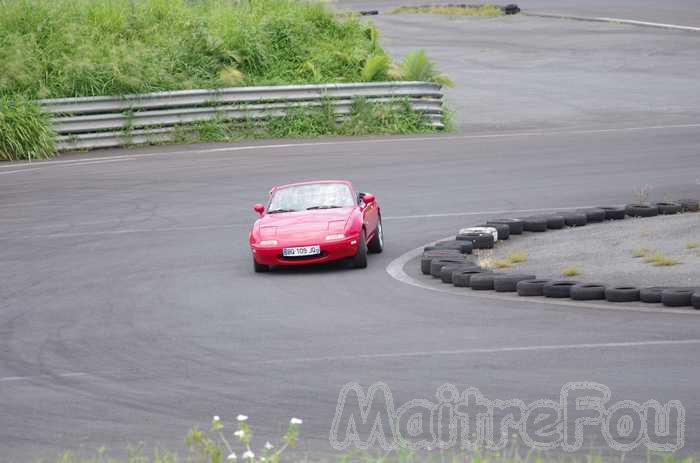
(314, 222)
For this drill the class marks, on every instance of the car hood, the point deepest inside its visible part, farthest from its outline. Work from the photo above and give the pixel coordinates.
(286, 224)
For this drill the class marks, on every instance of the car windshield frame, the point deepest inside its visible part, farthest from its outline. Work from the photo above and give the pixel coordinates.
(307, 199)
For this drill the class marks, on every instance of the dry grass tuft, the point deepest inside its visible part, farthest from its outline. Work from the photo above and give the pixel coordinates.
(571, 271)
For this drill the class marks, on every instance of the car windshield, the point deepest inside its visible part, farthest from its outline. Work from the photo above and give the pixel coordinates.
(310, 196)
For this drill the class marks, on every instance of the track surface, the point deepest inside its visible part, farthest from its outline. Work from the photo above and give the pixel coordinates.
(129, 311)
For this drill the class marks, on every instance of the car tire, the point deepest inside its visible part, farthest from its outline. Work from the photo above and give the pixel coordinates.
(447, 271)
(515, 225)
(359, 260)
(483, 281)
(462, 278)
(511, 8)
(641, 210)
(437, 264)
(677, 297)
(695, 300)
(652, 294)
(428, 257)
(587, 292)
(476, 230)
(478, 240)
(533, 287)
(593, 214)
(376, 244)
(575, 219)
(555, 222)
(260, 268)
(613, 213)
(465, 247)
(622, 294)
(509, 283)
(558, 289)
(669, 208)
(689, 204)
(502, 229)
(535, 224)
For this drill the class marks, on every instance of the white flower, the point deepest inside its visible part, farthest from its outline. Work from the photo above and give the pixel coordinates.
(263, 459)
(296, 421)
(248, 454)
(216, 418)
(232, 457)
(268, 445)
(240, 433)
(242, 418)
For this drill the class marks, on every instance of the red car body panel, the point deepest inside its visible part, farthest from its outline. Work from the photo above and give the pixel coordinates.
(311, 227)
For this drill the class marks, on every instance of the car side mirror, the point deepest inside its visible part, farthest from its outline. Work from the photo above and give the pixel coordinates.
(368, 198)
(259, 208)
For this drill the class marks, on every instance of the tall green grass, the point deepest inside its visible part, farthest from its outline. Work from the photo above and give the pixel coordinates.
(24, 131)
(69, 48)
(365, 118)
(73, 48)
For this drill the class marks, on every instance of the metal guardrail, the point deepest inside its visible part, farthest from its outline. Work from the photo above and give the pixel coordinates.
(108, 121)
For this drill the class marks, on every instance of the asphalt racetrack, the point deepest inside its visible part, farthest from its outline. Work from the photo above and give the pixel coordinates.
(129, 310)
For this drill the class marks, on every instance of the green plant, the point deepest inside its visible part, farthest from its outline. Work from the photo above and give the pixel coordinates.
(376, 68)
(660, 259)
(518, 257)
(640, 252)
(417, 67)
(395, 117)
(501, 263)
(692, 245)
(211, 446)
(365, 118)
(73, 48)
(208, 447)
(571, 271)
(24, 131)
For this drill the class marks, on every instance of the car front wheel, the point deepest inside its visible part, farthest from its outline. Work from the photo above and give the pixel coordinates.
(359, 260)
(376, 244)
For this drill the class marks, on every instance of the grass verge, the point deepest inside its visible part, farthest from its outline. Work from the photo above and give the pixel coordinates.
(74, 48)
(162, 456)
(453, 10)
(365, 118)
(212, 446)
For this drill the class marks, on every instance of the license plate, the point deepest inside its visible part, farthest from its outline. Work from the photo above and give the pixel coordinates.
(302, 251)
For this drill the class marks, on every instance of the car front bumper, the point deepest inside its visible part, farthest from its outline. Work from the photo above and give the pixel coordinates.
(330, 250)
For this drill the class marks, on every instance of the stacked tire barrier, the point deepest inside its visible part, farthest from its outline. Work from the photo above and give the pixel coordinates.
(452, 260)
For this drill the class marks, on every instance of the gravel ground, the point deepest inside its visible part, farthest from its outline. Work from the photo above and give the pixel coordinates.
(603, 251)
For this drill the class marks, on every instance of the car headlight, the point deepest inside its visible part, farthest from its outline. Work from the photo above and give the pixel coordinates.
(268, 243)
(337, 236)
